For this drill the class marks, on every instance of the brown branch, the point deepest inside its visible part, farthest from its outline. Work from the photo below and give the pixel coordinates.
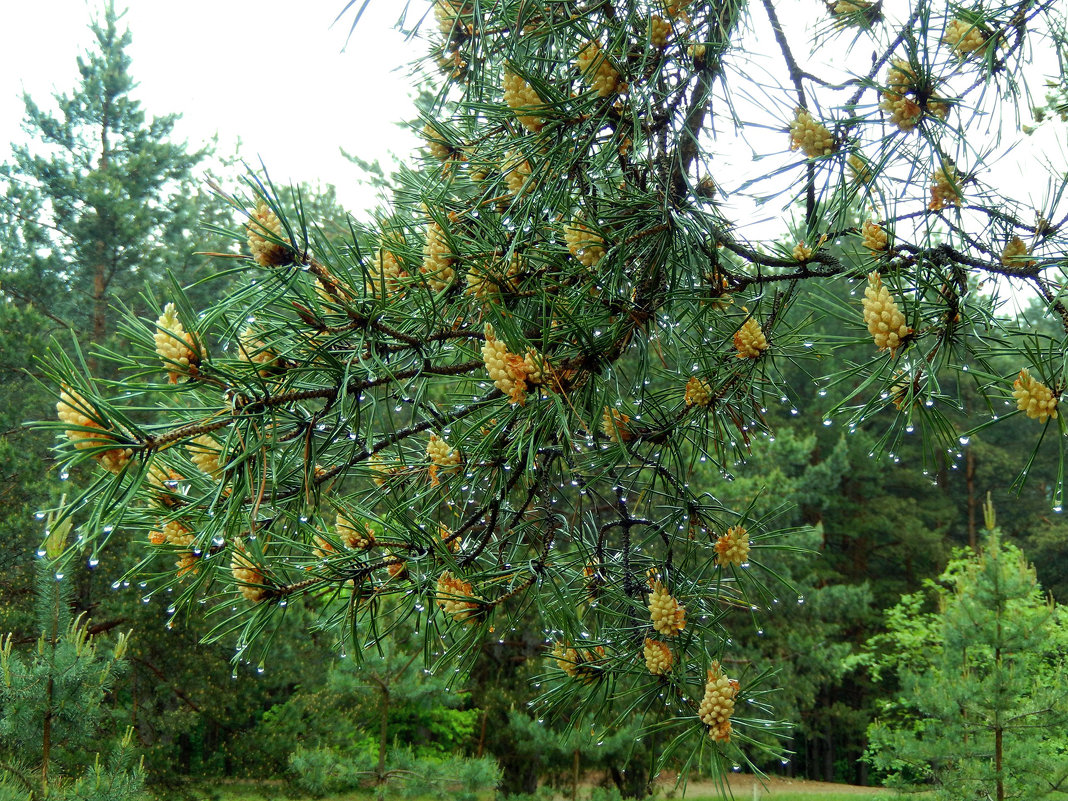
(244, 407)
(41, 308)
(178, 692)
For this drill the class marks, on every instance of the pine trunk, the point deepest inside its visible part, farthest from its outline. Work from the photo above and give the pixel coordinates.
(100, 271)
(973, 502)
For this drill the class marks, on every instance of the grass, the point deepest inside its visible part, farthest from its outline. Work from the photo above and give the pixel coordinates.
(278, 793)
(811, 796)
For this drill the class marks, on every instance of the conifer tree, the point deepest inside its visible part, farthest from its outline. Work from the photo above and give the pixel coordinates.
(52, 697)
(493, 398)
(394, 726)
(99, 201)
(982, 704)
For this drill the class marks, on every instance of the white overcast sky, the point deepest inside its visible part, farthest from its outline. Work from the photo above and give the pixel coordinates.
(274, 73)
(271, 72)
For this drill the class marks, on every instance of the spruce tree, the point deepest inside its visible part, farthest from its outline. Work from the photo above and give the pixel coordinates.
(494, 398)
(983, 704)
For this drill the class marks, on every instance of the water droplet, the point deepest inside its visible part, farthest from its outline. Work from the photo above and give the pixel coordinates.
(964, 440)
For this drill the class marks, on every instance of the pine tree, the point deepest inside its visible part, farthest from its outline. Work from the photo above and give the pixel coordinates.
(394, 726)
(101, 202)
(983, 703)
(52, 709)
(513, 373)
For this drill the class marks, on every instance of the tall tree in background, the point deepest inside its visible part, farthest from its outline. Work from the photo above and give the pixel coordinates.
(99, 204)
(983, 703)
(95, 203)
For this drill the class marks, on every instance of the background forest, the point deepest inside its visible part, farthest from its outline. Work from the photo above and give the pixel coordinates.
(103, 210)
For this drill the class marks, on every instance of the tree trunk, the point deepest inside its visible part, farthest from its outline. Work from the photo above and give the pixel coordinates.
(973, 502)
(632, 781)
(998, 754)
(46, 726)
(383, 735)
(482, 735)
(999, 730)
(46, 735)
(942, 475)
(576, 762)
(100, 298)
(100, 270)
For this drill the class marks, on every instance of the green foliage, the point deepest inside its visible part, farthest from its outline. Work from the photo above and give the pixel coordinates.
(53, 709)
(982, 703)
(324, 771)
(25, 486)
(562, 751)
(384, 697)
(519, 373)
(103, 174)
(543, 793)
(102, 202)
